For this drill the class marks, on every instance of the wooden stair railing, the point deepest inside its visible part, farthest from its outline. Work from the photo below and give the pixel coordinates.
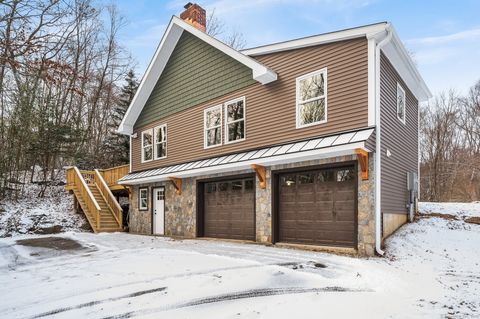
(107, 195)
(76, 181)
(113, 174)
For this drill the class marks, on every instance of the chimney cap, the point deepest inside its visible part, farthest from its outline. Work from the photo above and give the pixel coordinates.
(188, 5)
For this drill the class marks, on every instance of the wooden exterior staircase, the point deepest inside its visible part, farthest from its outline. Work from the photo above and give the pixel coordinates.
(92, 191)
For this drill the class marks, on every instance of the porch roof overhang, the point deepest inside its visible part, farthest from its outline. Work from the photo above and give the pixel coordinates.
(346, 143)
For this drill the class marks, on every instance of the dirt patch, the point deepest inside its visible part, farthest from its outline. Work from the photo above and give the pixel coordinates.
(56, 229)
(473, 220)
(57, 243)
(439, 215)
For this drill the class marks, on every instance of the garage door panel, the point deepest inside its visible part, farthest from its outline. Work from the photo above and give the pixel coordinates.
(318, 207)
(229, 209)
(345, 217)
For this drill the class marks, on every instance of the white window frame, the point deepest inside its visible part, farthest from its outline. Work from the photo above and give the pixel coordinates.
(298, 101)
(225, 111)
(155, 141)
(205, 129)
(140, 190)
(400, 88)
(152, 146)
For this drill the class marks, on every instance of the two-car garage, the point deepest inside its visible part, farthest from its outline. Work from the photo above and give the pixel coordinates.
(310, 207)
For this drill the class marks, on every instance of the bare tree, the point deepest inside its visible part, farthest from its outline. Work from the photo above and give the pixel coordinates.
(217, 29)
(61, 64)
(450, 147)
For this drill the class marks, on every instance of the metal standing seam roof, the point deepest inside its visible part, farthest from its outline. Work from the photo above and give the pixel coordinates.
(295, 147)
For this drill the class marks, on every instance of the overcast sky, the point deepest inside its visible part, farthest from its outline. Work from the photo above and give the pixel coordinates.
(444, 36)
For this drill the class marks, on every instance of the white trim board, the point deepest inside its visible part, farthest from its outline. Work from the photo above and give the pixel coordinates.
(394, 50)
(175, 28)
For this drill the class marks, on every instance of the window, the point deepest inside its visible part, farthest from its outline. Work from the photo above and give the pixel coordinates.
(143, 198)
(211, 188)
(306, 178)
(249, 184)
(312, 98)
(147, 146)
(237, 185)
(401, 103)
(223, 187)
(161, 141)
(235, 120)
(213, 126)
(345, 175)
(288, 180)
(326, 176)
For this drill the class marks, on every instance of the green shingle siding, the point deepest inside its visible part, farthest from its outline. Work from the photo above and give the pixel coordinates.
(195, 73)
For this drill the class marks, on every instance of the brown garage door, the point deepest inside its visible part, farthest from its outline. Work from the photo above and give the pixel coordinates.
(229, 210)
(318, 207)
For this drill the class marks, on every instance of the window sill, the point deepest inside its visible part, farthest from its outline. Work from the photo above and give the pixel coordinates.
(311, 124)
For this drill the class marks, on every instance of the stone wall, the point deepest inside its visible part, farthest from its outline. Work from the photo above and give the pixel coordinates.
(366, 210)
(140, 221)
(180, 210)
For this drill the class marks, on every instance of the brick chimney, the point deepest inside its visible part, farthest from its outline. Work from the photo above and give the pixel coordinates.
(195, 15)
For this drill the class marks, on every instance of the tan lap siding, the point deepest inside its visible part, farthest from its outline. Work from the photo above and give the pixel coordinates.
(270, 109)
(400, 139)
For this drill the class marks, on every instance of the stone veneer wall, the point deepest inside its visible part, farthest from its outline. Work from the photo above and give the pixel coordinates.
(180, 210)
(140, 221)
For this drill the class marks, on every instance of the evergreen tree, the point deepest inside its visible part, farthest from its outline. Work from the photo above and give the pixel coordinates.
(116, 146)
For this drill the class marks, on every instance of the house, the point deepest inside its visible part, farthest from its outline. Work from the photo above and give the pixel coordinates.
(312, 141)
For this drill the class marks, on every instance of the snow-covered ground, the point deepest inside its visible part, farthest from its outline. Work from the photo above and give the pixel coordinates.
(33, 215)
(432, 270)
(460, 210)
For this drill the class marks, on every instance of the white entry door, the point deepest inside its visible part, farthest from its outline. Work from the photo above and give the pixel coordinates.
(159, 211)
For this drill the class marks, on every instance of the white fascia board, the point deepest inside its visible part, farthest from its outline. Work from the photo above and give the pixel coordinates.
(403, 63)
(317, 40)
(154, 70)
(260, 72)
(333, 151)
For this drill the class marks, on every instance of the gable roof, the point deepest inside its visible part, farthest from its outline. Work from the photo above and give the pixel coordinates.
(394, 50)
(164, 50)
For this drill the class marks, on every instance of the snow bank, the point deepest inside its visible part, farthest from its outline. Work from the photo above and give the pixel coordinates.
(457, 209)
(33, 215)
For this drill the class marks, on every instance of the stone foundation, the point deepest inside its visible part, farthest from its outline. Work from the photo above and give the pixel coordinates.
(180, 210)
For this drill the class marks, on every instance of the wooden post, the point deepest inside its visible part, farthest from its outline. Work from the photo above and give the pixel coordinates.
(261, 172)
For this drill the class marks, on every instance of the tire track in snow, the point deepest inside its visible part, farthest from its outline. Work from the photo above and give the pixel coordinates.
(97, 302)
(255, 293)
(151, 281)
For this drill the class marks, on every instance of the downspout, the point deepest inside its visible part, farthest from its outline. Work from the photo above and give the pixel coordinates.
(378, 147)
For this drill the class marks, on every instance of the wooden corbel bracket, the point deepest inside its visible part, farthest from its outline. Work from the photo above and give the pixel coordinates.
(261, 172)
(362, 157)
(177, 183)
(128, 189)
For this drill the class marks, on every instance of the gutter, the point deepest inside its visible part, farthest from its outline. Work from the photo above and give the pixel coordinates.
(378, 148)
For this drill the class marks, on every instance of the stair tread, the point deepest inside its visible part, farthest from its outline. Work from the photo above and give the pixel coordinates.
(107, 222)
